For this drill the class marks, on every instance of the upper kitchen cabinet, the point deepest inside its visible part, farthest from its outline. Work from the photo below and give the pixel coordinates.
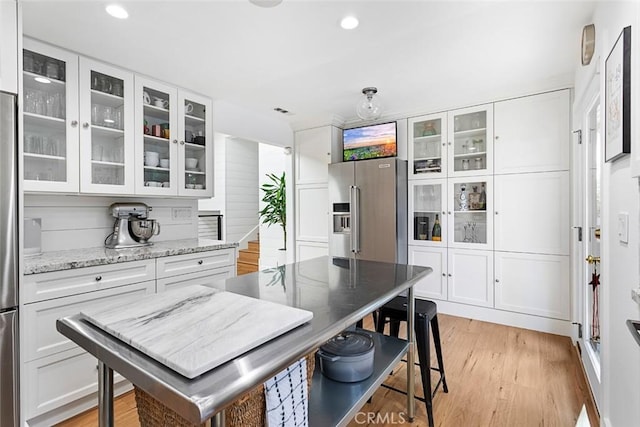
(107, 129)
(428, 146)
(173, 153)
(195, 151)
(315, 149)
(470, 141)
(532, 133)
(51, 118)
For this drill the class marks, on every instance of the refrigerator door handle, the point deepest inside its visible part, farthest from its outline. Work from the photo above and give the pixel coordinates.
(354, 203)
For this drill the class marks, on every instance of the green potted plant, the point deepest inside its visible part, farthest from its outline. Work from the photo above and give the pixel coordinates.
(275, 199)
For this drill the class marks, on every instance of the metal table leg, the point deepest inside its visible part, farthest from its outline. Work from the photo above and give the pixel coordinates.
(105, 395)
(411, 380)
(218, 420)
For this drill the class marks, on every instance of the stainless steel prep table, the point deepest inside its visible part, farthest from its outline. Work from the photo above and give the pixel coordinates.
(339, 292)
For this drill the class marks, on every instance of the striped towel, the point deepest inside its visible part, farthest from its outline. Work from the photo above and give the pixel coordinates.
(286, 395)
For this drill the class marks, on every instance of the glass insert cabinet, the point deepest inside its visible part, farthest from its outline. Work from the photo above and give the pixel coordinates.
(93, 128)
(456, 143)
(454, 212)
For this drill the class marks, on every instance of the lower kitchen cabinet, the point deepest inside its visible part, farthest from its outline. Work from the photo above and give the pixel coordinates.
(435, 284)
(57, 372)
(533, 284)
(206, 278)
(194, 263)
(470, 276)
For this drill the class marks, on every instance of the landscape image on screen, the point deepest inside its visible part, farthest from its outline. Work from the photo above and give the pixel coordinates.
(370, 142)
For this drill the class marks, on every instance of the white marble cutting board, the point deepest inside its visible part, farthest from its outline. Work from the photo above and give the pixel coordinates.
(194, 329)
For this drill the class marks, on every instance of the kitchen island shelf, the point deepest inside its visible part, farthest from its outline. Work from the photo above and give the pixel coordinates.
(332, 403)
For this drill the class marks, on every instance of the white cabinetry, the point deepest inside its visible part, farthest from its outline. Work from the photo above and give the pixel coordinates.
(58, 373)
(470, 277)
(308, 250)
(532, 213)
(434, 286)
(315, 149)
(533, 284)
(204, 268)
(532, 134)
(504, 205)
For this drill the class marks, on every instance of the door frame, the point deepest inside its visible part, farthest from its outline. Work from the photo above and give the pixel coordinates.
(582, 107)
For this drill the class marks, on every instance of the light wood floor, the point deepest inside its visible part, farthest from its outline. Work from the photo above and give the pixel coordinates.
(497, 376)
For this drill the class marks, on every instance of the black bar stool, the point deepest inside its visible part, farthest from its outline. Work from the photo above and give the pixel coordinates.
(426, 311)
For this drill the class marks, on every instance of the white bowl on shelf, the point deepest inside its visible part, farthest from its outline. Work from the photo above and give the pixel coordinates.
(164, 163)
(191, 162)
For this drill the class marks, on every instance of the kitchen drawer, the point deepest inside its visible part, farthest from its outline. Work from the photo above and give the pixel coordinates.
(42, 339)
(54, 381)
(213, 278)
(193, 263)
(40, 287)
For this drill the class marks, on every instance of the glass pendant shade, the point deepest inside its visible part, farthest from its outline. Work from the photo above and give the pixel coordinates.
(369, 106)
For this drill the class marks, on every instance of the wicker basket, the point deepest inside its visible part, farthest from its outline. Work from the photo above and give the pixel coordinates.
(248, 411)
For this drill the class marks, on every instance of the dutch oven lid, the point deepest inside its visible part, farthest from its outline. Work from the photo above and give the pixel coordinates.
(348, 343)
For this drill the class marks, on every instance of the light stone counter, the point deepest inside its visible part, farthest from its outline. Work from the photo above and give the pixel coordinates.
(88, 257)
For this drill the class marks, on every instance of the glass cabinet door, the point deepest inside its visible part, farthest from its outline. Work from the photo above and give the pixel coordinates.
(50, 131)
(194, 116)
(156, 138)
(106, 112)
(471, 141)
(427, 154)
(427, 221)
(471, 212)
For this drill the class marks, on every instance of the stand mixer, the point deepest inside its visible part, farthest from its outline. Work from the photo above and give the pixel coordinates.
(132, 227)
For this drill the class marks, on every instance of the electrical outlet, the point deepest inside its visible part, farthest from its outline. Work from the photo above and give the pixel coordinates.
(180, 213)
(623, 227)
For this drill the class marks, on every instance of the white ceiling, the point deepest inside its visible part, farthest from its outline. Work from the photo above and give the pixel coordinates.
(423, 56)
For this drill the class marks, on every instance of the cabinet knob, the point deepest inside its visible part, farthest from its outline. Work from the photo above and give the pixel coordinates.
(449, 212)
(497, 280)
(443, 144)
(444, 213)
(496, 212)
(497, 137)
(449, 143)
(181, 142)
(444, 275)
(449, 274)
(175, 141)
(200, 262)
(85, 125)
(98, 278)
(74, 123)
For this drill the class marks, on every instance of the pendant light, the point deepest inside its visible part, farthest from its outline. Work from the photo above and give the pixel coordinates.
(369, 107)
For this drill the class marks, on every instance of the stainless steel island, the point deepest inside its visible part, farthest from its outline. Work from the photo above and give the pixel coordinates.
(338, 291)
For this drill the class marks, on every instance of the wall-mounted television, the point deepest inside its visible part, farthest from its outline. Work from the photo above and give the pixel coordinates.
(370, 142)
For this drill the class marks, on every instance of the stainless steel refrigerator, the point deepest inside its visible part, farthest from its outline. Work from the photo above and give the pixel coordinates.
(368, 208)
(8, 261)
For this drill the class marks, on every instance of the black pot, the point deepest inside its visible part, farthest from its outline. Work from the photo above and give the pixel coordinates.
(347, 357)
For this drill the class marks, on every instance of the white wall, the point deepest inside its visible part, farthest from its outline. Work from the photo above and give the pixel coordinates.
(619, 272)
(76, 222)
(272, 160)
(241, 192)
(9, 46)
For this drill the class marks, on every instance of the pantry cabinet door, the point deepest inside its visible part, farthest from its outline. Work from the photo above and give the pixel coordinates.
(470, 277)
(532, 213)
(434, 285)
(532, 133)
(533, 284)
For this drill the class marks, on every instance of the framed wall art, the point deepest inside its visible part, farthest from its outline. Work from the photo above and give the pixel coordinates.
(618, 98)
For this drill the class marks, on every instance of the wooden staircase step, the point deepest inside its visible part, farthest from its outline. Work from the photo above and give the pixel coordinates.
(248, 255)
(245, 268)
(254, 245)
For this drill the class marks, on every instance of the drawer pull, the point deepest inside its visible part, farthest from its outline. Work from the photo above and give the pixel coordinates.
(200, 262)
(98, 278)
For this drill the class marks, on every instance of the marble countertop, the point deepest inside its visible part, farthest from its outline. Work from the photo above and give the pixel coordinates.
(195, 329)
(88, 257)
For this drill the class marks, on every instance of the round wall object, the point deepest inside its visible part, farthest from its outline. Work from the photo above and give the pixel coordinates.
(588, 43)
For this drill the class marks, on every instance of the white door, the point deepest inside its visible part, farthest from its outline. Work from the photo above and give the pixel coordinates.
(434, 286)
(586, 238)
(470, 277)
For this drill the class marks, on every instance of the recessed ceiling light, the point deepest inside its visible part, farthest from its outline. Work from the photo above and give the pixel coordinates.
(349, 22)
(266, 3)
(42, 80)
(117, 11)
